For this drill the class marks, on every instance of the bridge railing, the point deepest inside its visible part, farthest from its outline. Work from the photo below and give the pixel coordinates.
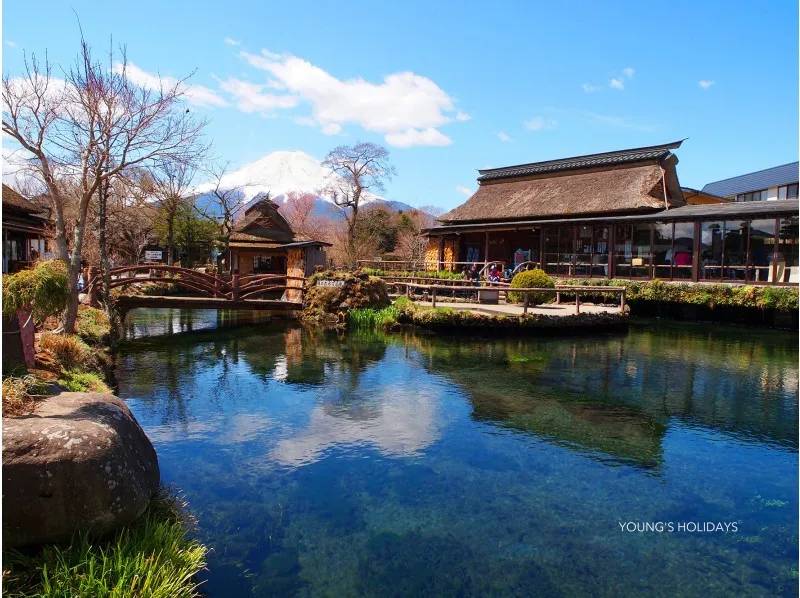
(234, 287)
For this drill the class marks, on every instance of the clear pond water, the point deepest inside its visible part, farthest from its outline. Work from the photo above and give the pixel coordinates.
(416, 465)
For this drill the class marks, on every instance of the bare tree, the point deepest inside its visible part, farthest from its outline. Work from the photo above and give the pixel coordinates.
(298, 209)
(172, 181)
(229, 202)
(89, 128)
(357, 169)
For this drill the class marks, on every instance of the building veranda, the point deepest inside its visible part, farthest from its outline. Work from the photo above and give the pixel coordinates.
(620, 214)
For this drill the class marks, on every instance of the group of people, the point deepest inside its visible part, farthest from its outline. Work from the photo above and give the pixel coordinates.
(496, 273)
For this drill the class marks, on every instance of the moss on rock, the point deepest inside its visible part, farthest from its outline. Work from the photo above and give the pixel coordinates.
(328, 302)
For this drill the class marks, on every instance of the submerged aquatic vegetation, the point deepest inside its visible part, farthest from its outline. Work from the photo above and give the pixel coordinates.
(153, 557)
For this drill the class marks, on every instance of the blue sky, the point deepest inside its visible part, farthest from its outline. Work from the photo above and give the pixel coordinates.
(453, 87)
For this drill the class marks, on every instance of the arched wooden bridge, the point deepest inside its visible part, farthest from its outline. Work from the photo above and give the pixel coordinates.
(206, 290)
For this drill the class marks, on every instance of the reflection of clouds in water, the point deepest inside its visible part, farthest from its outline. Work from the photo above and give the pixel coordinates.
(244, 427)
(175, 432)
(281, 371)
(238, 428)
(402, 423)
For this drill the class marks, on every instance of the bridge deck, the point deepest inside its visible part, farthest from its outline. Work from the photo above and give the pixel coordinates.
(127, 302)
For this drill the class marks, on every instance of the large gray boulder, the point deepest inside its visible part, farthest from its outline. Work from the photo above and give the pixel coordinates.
(79, 462)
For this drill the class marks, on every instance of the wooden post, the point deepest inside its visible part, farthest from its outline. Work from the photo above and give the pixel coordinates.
(235, 286)
(577, 302)
(527, 299)
(486, 248)
(622, 301)
(558, 298)
(433, 297)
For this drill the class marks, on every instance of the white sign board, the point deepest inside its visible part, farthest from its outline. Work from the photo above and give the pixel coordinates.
(330, 283)
(152, 256)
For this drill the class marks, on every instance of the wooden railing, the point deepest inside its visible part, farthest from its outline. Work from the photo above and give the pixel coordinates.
(431, 290)
(234, 287)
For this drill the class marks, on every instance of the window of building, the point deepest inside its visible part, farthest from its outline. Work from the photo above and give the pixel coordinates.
(711, 243)
(762, 247)
(753, 196)
(683, 250)
(735, 249)
(663, 254)
(262, 263)
(786, 259)
(788, 191)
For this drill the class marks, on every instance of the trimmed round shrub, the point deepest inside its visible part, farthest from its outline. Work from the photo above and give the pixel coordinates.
(531, 279)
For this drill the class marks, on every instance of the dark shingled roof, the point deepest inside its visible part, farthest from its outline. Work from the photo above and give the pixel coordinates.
(638, 154)
(755, 181)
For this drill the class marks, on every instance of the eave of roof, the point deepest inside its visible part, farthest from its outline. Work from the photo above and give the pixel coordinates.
(639, 154)
(787, 207)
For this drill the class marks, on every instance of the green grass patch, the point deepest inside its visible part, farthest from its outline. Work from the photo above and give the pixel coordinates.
(92, 325)
(368, 317)
(153, 558)
(77, 381)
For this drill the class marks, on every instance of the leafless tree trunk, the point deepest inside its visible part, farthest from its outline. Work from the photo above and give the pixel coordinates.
(230, 201)
(357, 169)
(88, 129)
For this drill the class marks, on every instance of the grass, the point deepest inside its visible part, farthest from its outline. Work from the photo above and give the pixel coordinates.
(152, 558)
(67, 350)
(368, 317)
(19, 394)
(77, 381)
(92, 324)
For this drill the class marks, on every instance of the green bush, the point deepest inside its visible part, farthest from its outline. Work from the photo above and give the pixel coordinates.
(436, 274)
(153, 557)
(783, 299)
(42, 289)
(76, 381)
(93, 325)
(531, 279)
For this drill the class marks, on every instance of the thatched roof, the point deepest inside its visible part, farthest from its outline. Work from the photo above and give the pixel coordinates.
(627, 181)
(263, 227)
(13, 200)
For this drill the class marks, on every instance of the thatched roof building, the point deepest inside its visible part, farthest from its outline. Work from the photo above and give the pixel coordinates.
(625, 181)
(615, 214)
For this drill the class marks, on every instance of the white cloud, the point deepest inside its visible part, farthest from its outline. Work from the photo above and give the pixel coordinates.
(615, 83)
(589, 88)
(465, 191)
(11, 44)
(232, 42)
(705, 83)
(249, 97)
(540, 123)
(413, 137)
(199, 95)
(629, 72)
(406, 108)
(504, 137)
(462, 117)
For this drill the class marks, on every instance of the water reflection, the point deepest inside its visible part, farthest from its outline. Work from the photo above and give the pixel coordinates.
(409, 464)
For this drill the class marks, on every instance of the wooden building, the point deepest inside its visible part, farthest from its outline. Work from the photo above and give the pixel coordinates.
(25, 231)
(264, 243)
(620, 214)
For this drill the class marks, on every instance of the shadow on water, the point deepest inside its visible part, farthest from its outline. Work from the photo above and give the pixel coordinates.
(407, 464)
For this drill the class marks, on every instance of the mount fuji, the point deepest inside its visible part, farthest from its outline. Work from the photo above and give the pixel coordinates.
(282, 172)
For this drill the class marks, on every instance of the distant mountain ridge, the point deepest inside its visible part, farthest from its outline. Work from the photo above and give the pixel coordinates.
(281, 173)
